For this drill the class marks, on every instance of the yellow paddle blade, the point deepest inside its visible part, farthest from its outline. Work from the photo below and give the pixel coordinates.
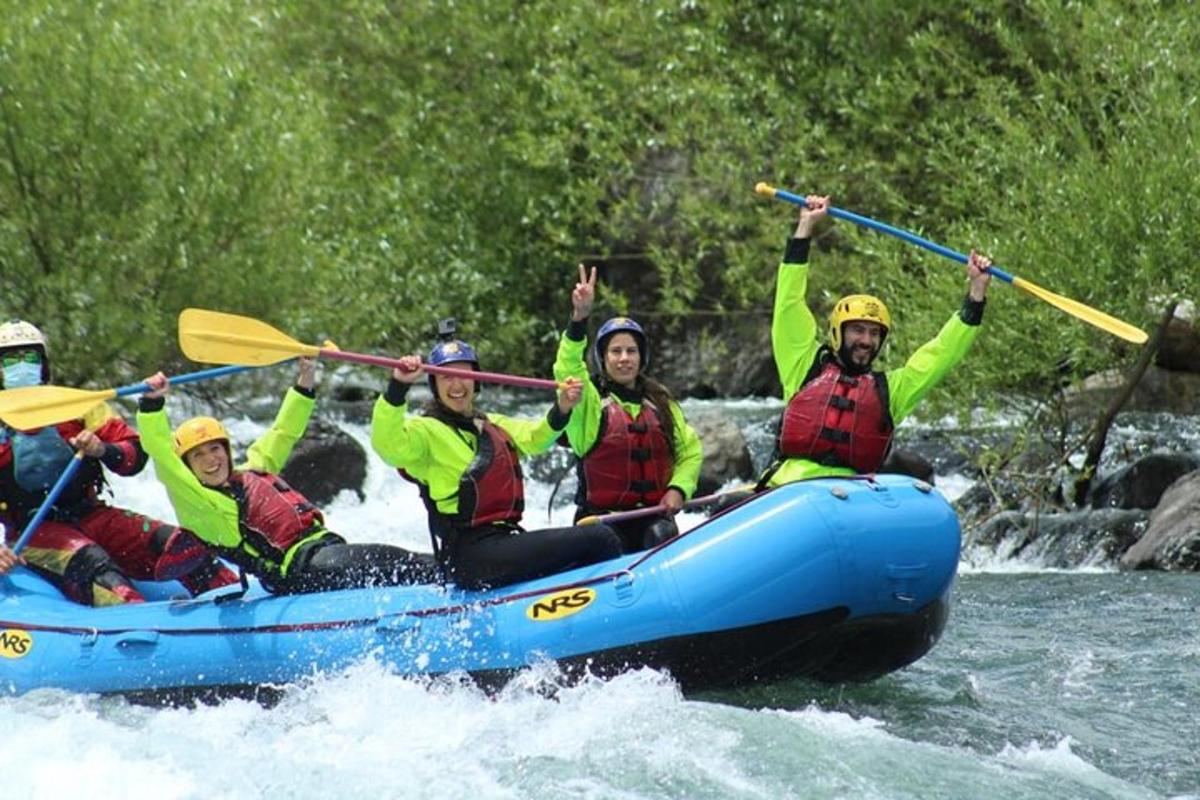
(32, 407)
(213, 337)
(1086, 313)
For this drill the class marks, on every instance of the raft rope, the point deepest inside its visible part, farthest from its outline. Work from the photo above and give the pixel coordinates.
(418, 613)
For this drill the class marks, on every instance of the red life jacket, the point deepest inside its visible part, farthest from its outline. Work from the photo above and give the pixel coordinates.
(632, 461)
(272, 515)
(493, 488)
(839, 420)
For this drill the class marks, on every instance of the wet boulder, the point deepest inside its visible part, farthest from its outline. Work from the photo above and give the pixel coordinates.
(1159, 390)
(325, 462)
(1059, 540)
(944, 451)
(1172, 540)
(731, 358)
(1142, 483)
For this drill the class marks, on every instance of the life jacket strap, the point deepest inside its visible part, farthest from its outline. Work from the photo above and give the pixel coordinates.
(841, 437)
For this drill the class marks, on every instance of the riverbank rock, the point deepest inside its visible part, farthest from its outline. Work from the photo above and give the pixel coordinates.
(354, 400)
(325, 462)
(1179, 349)
(945, 451)
(1159, 390)
(909, 462)
(733, 359)
(1172, 541)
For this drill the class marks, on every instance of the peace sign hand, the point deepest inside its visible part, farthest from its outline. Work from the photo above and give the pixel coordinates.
(583, 295)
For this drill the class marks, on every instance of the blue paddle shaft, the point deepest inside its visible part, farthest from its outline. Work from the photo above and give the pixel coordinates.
(204, 374)
(48, 503)
(73, 466)
(882, 227)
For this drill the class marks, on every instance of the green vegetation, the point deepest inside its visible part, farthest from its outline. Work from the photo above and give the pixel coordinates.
(356, 169)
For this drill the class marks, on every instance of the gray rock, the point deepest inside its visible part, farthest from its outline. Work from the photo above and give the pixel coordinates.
(1179, 349)
(1172, 541)
(1158, 390)
(908, 462)
(944, 451)
(1060, 540)
(726, 456)
(730, 359)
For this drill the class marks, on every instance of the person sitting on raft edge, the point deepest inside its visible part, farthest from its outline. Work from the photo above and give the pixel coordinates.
(251, 515)
(466, 465)
(840, 414)
(634, 446)
(90, 550)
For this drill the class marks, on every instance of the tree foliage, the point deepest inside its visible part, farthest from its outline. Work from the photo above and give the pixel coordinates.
(357, 169)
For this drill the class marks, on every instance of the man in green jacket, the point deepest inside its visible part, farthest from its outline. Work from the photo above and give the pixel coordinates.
(840, 414)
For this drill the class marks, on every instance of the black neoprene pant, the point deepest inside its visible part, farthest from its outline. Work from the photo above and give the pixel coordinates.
(353, 566)
(497, 556)
(640, 533)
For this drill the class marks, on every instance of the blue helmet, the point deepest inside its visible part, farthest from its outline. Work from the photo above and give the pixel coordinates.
(622, 325)
(452, 351)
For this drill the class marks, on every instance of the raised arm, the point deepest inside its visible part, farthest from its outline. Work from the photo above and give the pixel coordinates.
(393, 438)
(793, 327)
(933, 361)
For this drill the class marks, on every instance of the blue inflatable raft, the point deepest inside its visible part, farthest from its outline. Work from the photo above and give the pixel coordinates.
(834, 580)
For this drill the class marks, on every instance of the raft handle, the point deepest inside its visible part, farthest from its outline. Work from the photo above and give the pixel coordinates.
(132, 639)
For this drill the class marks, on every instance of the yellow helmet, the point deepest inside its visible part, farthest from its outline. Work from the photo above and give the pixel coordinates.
(856, 307)
(197, 431)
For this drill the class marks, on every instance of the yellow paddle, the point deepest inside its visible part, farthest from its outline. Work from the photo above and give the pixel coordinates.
(1073, 307)
(32, 407)
(219, 338)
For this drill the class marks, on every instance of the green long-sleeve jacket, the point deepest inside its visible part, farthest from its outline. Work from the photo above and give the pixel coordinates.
(438, 455)
(211, 513)
(584, 427)
(795, 342)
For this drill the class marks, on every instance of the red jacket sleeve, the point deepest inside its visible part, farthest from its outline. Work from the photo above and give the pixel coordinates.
(123, 453)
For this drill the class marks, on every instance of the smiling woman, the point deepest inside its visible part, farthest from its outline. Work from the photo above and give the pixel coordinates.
(203, 444)
(254, 518)
(635, 448)
(466, 465)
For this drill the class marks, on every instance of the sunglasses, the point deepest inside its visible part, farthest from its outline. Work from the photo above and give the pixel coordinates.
(21, 356)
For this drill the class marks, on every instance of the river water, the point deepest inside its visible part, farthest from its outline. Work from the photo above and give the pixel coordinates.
(1046, 684)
